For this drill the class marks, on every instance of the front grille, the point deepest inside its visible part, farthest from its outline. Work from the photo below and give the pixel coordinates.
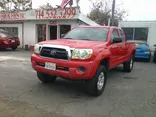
(56, 53)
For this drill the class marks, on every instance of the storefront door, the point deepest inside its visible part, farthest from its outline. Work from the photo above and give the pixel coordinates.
(53, 32)
(41, 32)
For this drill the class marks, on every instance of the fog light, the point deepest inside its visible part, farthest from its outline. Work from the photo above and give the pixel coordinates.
(81, 69)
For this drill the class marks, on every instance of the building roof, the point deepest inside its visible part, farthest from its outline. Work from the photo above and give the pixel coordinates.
(139, 21)
(87, 20)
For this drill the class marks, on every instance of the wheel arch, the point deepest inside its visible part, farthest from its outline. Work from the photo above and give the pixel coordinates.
(105, 62)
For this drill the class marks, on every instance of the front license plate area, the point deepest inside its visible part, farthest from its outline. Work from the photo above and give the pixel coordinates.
(50, 66)
(12, 41)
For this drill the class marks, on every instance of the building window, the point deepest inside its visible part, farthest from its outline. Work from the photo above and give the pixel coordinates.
(64, 29)
(128, 33)
(136, 33)
(41, 32)
(141, 34)
(11, 30)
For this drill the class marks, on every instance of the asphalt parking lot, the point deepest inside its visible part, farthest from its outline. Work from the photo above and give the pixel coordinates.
(23, 95)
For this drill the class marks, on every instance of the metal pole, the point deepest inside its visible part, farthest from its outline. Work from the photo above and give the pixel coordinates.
(113, 10)
(109, 20)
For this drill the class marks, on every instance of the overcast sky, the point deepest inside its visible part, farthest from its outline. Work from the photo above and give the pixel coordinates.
(137, 9)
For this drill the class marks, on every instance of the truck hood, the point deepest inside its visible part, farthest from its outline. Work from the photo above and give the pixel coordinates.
(73, 43)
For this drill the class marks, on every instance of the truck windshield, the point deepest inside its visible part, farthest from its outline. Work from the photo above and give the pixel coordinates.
(92, 34)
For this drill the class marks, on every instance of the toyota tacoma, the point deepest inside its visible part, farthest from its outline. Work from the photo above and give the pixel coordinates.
(84, 53)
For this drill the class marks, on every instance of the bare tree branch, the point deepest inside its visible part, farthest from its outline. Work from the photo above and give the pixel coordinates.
(101, 12)
(10, 5)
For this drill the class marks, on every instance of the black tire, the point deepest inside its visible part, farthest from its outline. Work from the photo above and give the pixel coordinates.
(128, 66)
(92, 85)
(154, 58)
(45, 78)
(149, 59)
(13, 48)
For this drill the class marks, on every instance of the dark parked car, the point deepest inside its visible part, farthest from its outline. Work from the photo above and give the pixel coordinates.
(8, 40)
(154, 59)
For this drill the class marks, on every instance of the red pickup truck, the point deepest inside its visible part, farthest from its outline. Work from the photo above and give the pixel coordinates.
(84, 53)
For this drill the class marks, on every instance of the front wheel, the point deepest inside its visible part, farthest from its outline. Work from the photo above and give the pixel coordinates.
(97, 84)
(45, 78)
(128, 66)
(13, 48)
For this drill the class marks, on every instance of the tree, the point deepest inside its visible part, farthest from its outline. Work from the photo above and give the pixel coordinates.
(46, 6)
(22, 4)
(101, 12)
(9, 5)
(5, 5)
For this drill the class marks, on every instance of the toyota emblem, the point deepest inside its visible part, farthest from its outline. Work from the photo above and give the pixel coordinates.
(53, 52)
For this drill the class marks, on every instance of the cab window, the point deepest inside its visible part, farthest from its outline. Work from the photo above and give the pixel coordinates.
(114, 34)
(122, 35)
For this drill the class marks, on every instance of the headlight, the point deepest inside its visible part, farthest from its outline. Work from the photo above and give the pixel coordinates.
(37, 48)
(82, 53)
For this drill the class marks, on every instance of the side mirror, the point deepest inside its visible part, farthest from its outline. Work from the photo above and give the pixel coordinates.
(117, 40)
(154, 45)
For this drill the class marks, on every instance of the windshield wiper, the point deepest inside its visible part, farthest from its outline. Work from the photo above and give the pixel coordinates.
(85, 39)
(81, 39)
(67, 38)
(89, 39)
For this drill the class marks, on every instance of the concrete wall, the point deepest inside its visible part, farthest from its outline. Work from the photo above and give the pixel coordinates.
(29, 33)
(138, 24)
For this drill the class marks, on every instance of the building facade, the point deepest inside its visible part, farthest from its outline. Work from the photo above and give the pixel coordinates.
(33, 26)
(140, 30)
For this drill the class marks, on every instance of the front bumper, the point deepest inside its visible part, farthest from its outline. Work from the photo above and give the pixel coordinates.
(66, 69)
(143, 55)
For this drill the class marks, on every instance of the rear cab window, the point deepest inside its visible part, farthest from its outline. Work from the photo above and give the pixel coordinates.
(122, 35)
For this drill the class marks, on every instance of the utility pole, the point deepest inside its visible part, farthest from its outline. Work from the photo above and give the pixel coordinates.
(113, 10)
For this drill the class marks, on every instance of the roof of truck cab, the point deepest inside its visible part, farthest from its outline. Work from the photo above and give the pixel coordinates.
(97, 27)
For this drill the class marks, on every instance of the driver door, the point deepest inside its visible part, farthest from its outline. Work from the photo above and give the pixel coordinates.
(115, 49)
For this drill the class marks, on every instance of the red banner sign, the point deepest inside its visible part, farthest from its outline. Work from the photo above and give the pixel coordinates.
(11, 16)
(56, 13)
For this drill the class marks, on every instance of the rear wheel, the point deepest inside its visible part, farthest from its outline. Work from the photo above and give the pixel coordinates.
(97, 84)
(128, 66)
(154, 59)
(13, 48)
(45, 78)
(149, 59)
